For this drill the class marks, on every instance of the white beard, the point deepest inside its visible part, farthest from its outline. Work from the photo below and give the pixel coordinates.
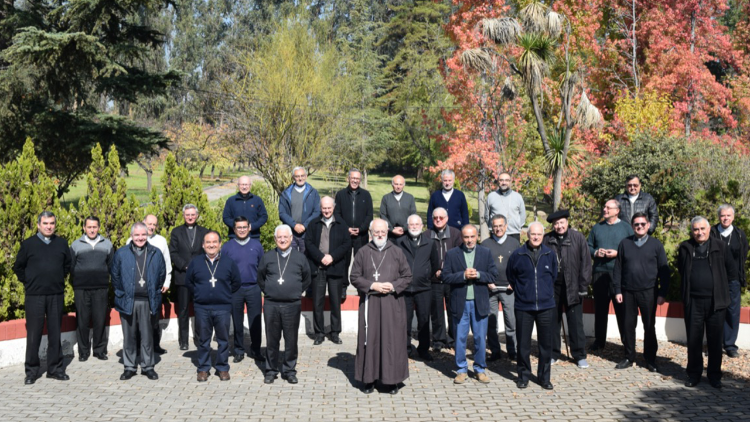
(379, 242)
(415, 234)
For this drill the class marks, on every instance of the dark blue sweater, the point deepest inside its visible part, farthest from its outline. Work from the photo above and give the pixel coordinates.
(247, 257)
(458, 209)
(206, 296)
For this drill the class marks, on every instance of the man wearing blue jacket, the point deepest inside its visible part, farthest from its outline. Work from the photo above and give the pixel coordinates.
(138, 272)
(532, 271)
(213, 279)
(299, 204)
(247, 205)
(468, 270)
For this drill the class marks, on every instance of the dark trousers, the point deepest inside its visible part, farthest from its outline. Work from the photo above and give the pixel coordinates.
(545, 321)
(184, 299)
(732, 321)
(574, 316)
(213, 321)
(507, 298)
(281, 318)
(37, 308)
(91, 308)
(298, 241)
(250, 296)
(138, 323)
(603, 295)
(516, 236)
(441, 300)
(419, 303)
(645, 302)
(700, 318)
(333, 283)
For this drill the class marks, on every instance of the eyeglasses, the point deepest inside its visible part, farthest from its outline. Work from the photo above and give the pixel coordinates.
(639, 224)
(438, 217)
(632, 185)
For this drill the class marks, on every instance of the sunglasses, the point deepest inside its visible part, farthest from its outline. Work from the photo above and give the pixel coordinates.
(632, 185)
(439, 217)
(639, 224)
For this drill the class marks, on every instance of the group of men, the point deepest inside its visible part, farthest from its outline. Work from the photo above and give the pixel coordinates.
(399, 270)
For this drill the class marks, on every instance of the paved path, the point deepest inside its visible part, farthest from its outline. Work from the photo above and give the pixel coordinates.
(326, 392)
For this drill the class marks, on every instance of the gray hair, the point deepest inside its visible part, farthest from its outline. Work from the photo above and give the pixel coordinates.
(698, 219)
(354, 170)
(137, 225)
(724, 207)
(408, 220)
(282, 227)
(536, 223)
(294, 170)
(441, 209)
(328, 198)
(447, 172)
(617, 203)
(190, 206)
(45, 214)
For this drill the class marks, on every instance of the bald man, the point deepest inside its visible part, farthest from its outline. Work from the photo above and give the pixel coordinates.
(247, 205)
(396, 207)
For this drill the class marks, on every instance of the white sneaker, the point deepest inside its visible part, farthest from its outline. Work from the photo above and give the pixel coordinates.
(583, 364)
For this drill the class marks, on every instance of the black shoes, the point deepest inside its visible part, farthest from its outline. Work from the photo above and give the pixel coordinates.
(29, 380)
(547, 385)
(494, 357)
(83, 358)
(733, 353)
(318, 340)
(291, 379)
(60, 377)
(624, 364)
(159, 351)
(336, 339)
(426, 356)
(238, 358)
(652, 367)
(692, 383)
(716, 384)
(269, 379)
(256, 356)
(392, 389)
(150, 374)
(368, 388)
(102, 356)
(596, 346)
(127, 375)
(522, 384)
(183, 346)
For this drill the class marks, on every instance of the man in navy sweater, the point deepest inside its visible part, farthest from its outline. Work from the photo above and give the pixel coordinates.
(453, 200)
(246, 253)
(41, 266)
(641, 262)
(247, 205)
(213, 280)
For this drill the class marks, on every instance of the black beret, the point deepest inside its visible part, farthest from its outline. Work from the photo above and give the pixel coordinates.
(558, 215)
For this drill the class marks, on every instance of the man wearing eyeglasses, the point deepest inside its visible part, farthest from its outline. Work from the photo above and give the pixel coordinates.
(299, 204)
(509, 203)
(634, 200)
(445, 238)
(603, 241)
(641, 282)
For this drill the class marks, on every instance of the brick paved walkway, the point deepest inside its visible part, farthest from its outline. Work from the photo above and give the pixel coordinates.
(326, 392)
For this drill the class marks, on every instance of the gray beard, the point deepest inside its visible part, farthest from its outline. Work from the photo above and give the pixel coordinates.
(379, 243)
(414, 234)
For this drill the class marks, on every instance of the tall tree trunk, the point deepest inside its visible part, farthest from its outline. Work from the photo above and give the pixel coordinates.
(149, 176)
(484, 231)
(690, 93)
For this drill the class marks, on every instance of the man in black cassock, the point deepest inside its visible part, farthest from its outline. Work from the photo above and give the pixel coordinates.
(381, 273)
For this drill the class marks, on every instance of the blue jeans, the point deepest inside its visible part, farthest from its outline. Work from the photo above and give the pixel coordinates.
(209, 321)
(470, 319)
(732, 320)
(247, 296)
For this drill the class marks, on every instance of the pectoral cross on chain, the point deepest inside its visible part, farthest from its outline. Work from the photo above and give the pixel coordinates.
(281, 280)
(212, 281)
(141, 281)
(500, 258)
(376, 275)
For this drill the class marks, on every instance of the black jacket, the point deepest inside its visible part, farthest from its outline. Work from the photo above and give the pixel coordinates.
(575, 263)
(339, 246)
(717, 260)
(182, 252)
(443, 242)
(645, 203)
(743, 249)
(355, 214)
(423, 260)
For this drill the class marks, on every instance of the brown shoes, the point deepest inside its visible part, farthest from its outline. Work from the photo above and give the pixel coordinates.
(460, 378)
(203, 376)
(224, 375)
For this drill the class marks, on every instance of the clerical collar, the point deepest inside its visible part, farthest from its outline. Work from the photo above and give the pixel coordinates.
(136, 249)
(617, 220)
(214, 259)
(469, 250)
(244, 195)
(242, 242)
(641, 241)
(44, 238)
(533, 249)
(562, 237)
(299, 189)
(500, 240)
(725, 231)
(285, 253)
(398, 195)
(190, 226)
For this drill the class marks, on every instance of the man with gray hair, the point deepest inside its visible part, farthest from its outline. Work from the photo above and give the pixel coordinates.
(451, 199)
(42, 263)
(737, 247)
(185, 243)
(138, 273)
(509, 203)
(354, 208)
(283, 276)
(299, 205)
(445, 238)
(396, 206)
(703, 264)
